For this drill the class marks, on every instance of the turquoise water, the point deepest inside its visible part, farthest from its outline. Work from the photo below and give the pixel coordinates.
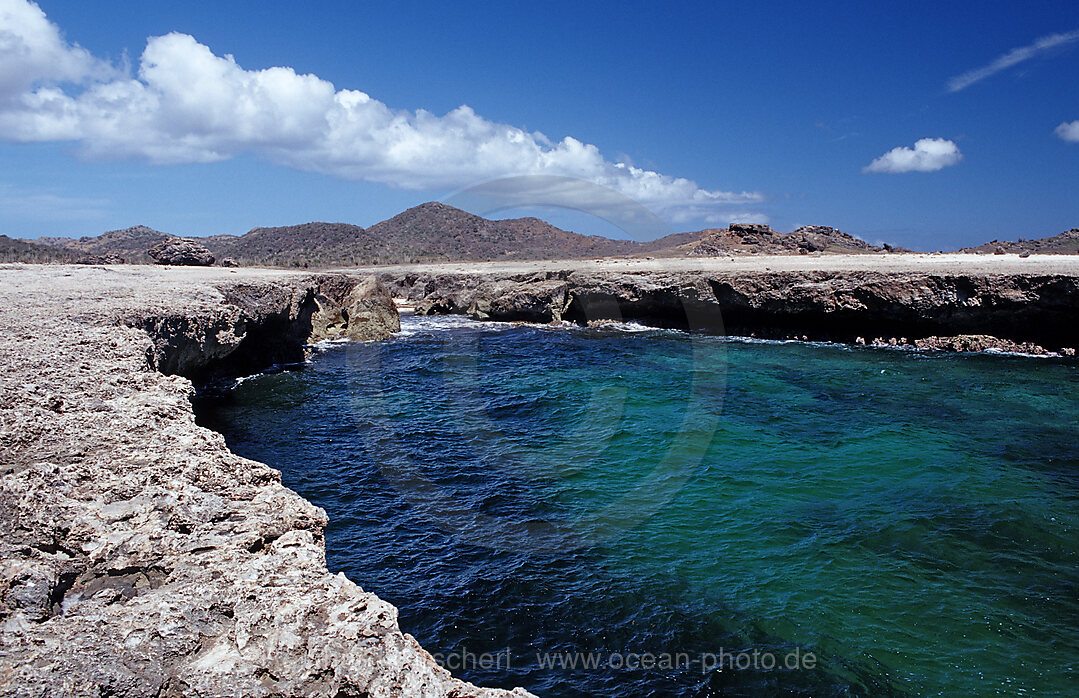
(907, 520)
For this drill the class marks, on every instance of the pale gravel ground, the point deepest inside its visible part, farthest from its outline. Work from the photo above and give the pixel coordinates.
(160, 283)
(885, 263)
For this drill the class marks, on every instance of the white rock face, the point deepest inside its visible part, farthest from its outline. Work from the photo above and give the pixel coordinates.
(138, 556)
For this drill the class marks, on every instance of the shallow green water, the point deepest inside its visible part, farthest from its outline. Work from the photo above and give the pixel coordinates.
(911, 520)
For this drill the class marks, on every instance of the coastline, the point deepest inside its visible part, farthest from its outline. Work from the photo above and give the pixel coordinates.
(140, 556)
(927, 302)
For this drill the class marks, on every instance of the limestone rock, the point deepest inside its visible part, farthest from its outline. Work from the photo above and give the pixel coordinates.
(978, 343)
(138, 555)
(1036, 309)
(351, 309)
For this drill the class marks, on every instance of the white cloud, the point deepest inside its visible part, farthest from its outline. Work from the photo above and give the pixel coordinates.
(927, 155)
(1069, 131)
(32, 49)
(1011, 58)
(186, 104)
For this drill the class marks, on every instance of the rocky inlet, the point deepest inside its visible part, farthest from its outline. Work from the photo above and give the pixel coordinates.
(140, 557)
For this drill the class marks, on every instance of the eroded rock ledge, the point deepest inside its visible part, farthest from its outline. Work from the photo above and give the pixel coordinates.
(138, 556)
(1031, 312)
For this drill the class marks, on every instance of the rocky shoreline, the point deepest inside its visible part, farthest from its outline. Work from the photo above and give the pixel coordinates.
(1036, 313)
(138, 555)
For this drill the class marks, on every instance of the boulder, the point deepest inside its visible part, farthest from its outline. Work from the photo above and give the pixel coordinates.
(229, 262)
(181, 252)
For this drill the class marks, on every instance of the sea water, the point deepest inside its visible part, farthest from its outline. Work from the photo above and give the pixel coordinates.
(619, 511)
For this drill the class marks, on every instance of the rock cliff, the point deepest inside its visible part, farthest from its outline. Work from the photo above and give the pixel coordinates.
(138, 556)
(1019, 309)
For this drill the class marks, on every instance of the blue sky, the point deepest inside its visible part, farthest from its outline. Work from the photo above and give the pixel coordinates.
(790, 113)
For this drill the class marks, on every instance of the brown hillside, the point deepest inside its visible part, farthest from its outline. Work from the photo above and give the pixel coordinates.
(435, 232)
(428, 232)
(311, 244)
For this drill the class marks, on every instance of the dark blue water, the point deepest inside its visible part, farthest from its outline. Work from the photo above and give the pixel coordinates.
(687, 514)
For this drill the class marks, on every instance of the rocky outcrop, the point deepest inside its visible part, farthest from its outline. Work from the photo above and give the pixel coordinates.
(981, 342)
(1036, 309)
(526, 298)
(181, 252)
(757, 238)
(353, 310)
(262, 324)
(138, 556)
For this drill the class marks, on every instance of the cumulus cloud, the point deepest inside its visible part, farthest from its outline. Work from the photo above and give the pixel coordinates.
(1069, 131)
(1011, 58)
(186, 104)
(927, 155)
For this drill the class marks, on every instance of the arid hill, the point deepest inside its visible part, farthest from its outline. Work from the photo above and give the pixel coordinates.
(309, 244)
(15, 250)
(129, 243)
(1064, 243)
(436, 232)
(429, 232)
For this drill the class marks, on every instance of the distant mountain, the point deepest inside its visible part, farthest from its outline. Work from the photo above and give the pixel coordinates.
(129, 243)
(1064, 243)
(435, 232)
(426, 233)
